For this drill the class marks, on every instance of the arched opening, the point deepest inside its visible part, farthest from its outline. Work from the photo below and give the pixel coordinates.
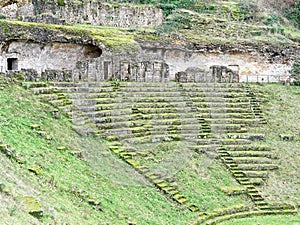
(92, 51)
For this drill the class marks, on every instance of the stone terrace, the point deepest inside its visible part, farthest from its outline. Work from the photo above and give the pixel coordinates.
(213, 118)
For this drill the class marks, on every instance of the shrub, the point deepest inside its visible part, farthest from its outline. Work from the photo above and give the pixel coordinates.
(2, 17)
(61, 2)
(293, 14)
(295, 72)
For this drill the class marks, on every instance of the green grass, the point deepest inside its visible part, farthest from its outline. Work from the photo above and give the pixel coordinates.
(112, 37)
(282, 114)
(201, 179)
(265, 220)
(124, 194)
(64, 175)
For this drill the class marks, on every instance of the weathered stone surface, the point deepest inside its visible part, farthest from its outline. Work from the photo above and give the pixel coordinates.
(45, 18)
(286, 137)
(58, 49)
(85, 12)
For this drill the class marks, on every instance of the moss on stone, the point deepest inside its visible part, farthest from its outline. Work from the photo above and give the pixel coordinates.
(32, 206)
(111, 37)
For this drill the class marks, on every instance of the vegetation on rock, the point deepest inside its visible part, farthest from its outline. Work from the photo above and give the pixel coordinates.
(295, 72)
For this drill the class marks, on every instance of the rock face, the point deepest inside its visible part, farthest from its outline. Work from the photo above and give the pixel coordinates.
(85, 12)
(57, 54)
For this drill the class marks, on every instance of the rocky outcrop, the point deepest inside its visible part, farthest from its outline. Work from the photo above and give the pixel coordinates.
(4, 3)
(84, 12)
(62, 48)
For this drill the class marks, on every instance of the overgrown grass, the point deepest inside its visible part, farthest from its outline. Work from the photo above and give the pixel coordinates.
(202, 178)
(112, 37)
(125, 195)
(64, 175)
(282, 114)
(265, 220)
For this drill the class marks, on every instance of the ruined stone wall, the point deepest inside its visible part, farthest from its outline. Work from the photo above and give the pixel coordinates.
(236, 66)
(86, 62)
(43, 49)
(40, 57)
(86, 12)
(118, 66)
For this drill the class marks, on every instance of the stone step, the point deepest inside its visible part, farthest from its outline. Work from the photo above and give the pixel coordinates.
(254, 160)
(84, 89)
(80, 84)
(91, 102)
(182, 85)
(163, 88)
(225, 114)
(252, 137)
(223, 110)
(212, 147)
(60, 102)
(245, 148)
(127, 134)
(79, 121)
(209, 141)
(219, 99)
(29, 85)
(149, 94)
(91, 95)
(51, 97)
(66, 108)
(257, 167)
(252, 154)
(248, 147)
(222, 105)
(197, 96)
(152, 139)
(42, 90)
(256, 174)
(128, 114)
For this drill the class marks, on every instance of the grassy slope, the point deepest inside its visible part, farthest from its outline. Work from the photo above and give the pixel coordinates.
(282, 113)
(64, 173)
(265, 220)
(283, 117)
(124, 195)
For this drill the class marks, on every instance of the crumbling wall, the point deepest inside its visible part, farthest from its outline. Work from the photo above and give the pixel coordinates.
(79, 62)
(87, 62)
(85, 12)
(121, 67)
(225, 66)
(41, 57)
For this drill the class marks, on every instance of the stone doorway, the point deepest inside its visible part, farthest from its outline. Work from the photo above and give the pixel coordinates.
(12, 64)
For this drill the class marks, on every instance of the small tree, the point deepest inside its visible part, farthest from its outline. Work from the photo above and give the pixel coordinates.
(295, 72)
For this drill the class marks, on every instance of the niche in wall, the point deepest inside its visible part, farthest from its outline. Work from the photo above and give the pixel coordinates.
(12, 64)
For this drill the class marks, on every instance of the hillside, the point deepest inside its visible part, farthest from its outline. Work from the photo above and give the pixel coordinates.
(78, 180)
(149, 112)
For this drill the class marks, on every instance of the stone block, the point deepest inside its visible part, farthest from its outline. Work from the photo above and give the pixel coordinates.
(286, 137)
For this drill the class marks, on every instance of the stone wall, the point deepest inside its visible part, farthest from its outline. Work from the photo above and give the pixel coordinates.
(199, 65)
(87, 62)
(79, 62)
(28, 55)
(44, 49)
(87, 12)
